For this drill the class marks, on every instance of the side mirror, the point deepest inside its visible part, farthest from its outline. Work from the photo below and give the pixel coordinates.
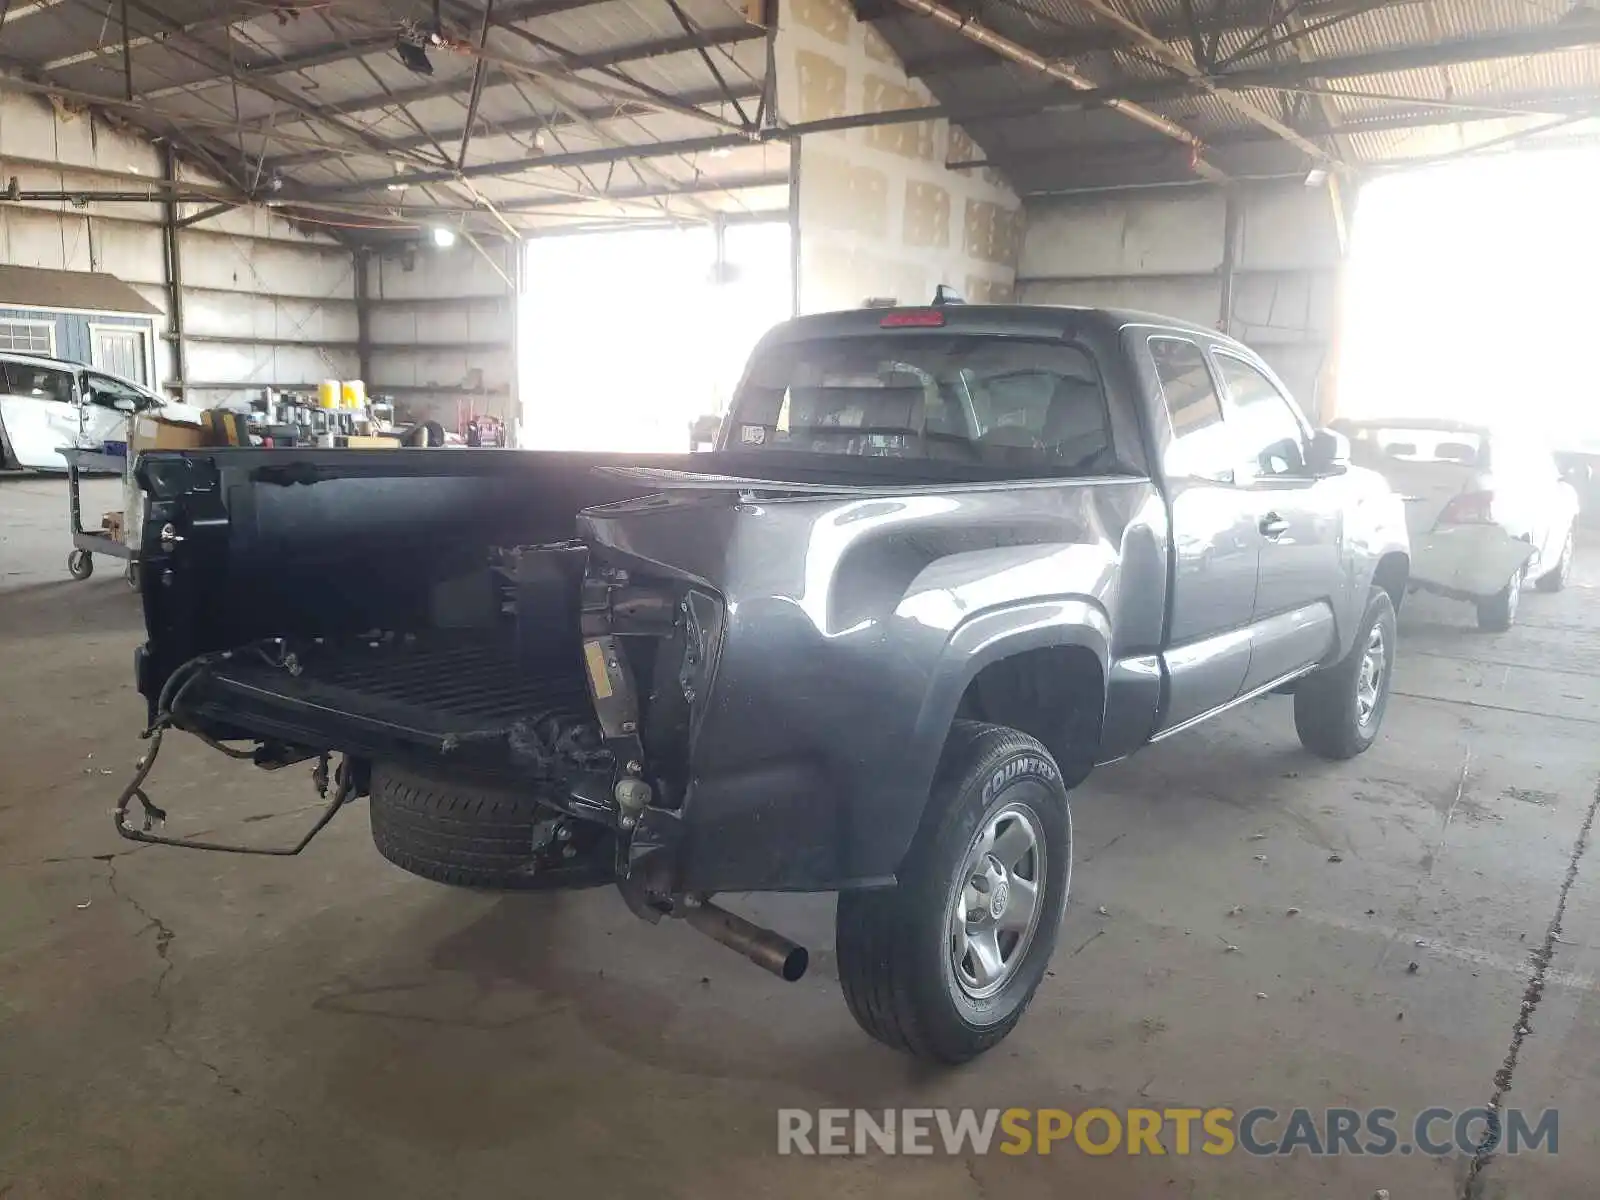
(1578, 474)
(1328, 454)
(124, 405)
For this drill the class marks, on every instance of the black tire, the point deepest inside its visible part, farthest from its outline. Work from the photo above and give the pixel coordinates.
(896, 945)
(80, 564)
(1328, 706)
(1556, 578)
(1499, 612)
(463, 834)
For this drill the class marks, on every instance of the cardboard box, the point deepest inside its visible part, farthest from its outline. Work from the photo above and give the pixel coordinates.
(151, 432)
(362, 441)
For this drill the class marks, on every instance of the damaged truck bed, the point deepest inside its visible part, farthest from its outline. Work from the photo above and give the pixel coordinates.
(941, 564)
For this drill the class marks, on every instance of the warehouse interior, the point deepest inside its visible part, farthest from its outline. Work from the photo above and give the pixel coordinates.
(563, 225)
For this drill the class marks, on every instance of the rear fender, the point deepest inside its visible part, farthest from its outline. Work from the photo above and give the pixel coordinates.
(988, 638)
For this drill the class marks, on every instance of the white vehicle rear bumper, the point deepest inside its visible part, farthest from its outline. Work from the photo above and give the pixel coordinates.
(1467, 561)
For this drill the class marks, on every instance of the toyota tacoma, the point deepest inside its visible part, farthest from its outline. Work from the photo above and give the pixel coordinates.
(940, 563)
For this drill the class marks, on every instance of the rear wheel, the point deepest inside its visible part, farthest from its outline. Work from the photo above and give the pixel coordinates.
(1499, 612)
(1556, 579)
(1339, 709)
(944, 964)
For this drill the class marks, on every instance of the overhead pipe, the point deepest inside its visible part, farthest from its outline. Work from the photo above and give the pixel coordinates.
(1018, 53)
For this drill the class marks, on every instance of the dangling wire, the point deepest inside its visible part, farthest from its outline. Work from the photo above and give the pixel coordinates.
(172, 693)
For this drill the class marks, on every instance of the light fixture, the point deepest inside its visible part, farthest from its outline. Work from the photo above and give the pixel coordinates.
(414, 40)
(721, 152)
(413, 56)
(1316, 177)
(442, 237)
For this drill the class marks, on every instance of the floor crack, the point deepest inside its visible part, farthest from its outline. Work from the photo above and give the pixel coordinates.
(164, 939)
(1472, 1186)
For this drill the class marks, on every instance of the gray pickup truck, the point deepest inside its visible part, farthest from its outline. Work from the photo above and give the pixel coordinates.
(941, 563)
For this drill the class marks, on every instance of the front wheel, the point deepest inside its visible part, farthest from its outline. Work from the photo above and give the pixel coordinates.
(1339, 709)
(944, 964)
(80, 564)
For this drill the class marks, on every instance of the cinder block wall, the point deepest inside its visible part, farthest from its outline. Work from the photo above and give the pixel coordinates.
(880, 213)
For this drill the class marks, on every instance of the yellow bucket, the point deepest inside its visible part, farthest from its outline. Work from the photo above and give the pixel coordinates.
(355, 393)
(328, 394)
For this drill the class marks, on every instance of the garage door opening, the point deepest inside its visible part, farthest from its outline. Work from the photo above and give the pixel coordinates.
(1472, 295)
(627, 337)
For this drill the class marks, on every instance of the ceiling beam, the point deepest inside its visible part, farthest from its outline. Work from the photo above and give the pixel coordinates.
(1174, 60)
(1105, 38)
(1567, 35)
(1394, 119)
(617, 56)
(705, 185)
(202, 52)
(323, 56)
(599, 156)
(533, 123)
(137, 41)
(1549, 39)
(223, 162)
(1015, 52)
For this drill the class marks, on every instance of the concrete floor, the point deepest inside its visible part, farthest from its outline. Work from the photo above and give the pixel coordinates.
(177, 1024)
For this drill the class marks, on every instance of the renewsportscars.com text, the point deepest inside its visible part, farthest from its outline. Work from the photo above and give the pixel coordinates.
(1262, 1132)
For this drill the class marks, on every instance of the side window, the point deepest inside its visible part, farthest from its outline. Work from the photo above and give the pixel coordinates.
(1200, 446)
(106, 391)
(40, 383)
(1265, 427)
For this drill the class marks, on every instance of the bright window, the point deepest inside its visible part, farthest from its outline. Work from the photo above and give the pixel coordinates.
(627, 337)
(1471, 295)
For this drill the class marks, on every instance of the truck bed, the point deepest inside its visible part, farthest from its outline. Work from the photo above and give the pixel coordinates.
(437, 693)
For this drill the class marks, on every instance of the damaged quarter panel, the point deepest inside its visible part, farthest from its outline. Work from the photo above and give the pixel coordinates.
(852, 626)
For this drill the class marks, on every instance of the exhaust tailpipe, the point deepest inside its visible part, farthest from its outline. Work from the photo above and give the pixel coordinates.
(766, 949)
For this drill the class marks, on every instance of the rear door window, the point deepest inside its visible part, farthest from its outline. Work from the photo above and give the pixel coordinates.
(1200, 448)
(1007, 402)
(39, 383)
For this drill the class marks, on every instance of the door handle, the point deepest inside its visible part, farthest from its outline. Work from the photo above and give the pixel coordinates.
(1273, 526)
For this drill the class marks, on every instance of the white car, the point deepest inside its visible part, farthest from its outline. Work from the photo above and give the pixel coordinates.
(1486, 508)
(48, 403)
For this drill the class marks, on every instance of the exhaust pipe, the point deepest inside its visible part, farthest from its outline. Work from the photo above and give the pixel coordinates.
(771, 951)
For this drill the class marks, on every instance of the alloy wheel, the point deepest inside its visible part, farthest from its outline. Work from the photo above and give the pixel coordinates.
(995, 901)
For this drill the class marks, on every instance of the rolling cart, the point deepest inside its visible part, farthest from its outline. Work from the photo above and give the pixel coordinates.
(87, 543)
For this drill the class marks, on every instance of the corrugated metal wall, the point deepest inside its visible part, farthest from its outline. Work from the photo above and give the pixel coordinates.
(265, 305)
(262, 300)
(1166, 253)
(442, 326)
